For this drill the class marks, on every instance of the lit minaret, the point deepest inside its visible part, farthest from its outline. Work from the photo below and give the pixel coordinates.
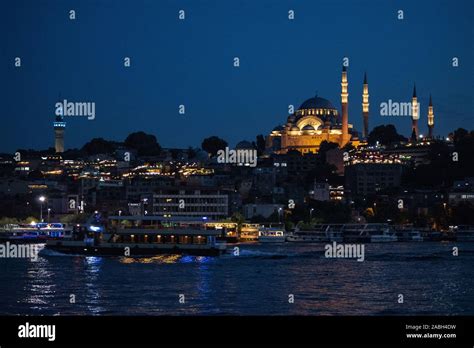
(365, 107)
(59, 127)
(430, 119)
(344, 101)
(414, 114)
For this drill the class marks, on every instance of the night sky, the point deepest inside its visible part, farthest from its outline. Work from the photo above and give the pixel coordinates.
(190, 62)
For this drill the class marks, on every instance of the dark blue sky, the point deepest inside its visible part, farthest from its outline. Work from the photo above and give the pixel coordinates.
(191, 62)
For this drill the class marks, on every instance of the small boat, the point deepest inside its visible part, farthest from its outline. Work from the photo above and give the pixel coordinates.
(271, 234)
(415, 236)
(464, 233)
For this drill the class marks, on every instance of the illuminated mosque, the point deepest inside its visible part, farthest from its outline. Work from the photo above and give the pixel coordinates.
(317, 120)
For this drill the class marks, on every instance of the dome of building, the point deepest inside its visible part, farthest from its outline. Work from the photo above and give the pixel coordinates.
(294, 128)
(308, 127)
(317, 103)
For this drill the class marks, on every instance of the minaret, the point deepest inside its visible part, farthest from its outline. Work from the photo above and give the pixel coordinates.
(59, 127)
(365, 108)
(430, 119)
(414, 114)
(344, 102)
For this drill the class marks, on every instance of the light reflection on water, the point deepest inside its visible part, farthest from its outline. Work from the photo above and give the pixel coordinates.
(257, 282)
(92, 267)
(39, 286)
(154, 259)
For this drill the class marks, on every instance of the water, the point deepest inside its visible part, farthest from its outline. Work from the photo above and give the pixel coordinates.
(258, 282)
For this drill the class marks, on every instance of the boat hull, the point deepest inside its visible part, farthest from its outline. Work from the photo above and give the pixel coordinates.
(265, 239)
(24, 240)
(383, 238)
(313, 239)
(135, 250)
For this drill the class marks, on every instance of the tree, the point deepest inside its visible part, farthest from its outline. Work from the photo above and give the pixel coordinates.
(73, 218)
(98, 146)
(324, 147)
(464, 144)
(213, 144)
(8, 220)
(35, 174)
(459, 134)
(260, 144)
(145, 144)
(30, 219)
(385, 135)
(239, 220)
(191, 152)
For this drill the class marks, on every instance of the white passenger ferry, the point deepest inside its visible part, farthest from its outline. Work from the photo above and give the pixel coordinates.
(271, 234)
(373, 233)
(358, 233)
(317, 234)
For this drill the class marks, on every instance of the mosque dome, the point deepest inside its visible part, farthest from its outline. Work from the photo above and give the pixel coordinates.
(318, 109)
(317, 103)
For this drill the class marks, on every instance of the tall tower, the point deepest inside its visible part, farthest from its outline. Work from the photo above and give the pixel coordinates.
(414, 115)
(430, 119)
(59, 127)
(365, 108)
(344, 102)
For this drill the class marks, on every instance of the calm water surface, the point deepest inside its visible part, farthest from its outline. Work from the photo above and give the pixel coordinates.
(258, 282)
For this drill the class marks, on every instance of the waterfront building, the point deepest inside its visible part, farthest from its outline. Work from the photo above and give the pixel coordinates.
(320, 191)
(462, 191)
(265, 210)
(369, 178)
(200, 202)
(415, 153)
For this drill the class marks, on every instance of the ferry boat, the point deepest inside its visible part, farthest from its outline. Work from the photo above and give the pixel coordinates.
(32, 233)
(249, 232)
(228, 231)
(137, 236)
(271, 234)
(373, 233)
(408, 234)
(464, 233)
(317, 234)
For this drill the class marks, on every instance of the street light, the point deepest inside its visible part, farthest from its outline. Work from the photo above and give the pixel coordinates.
(49, 211)
(41, 199)
(310, 214)
(279, 215)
